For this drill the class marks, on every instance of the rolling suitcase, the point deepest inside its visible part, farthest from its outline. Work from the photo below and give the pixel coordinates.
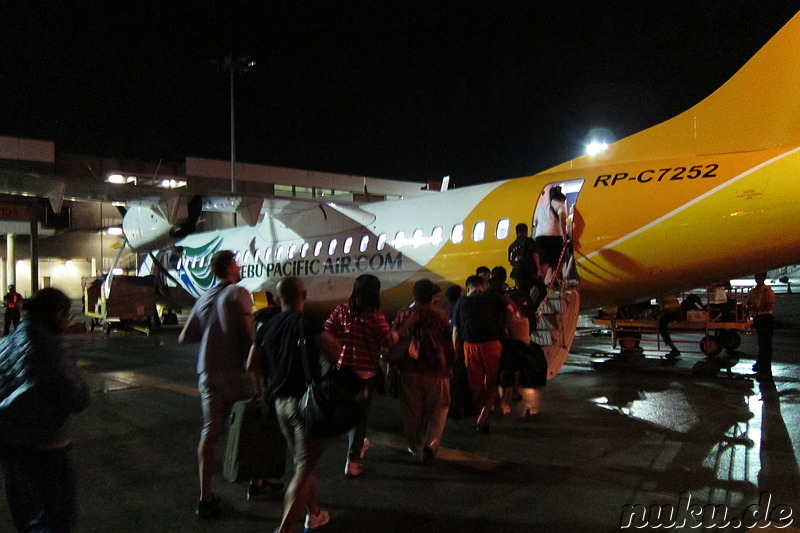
(256, 448)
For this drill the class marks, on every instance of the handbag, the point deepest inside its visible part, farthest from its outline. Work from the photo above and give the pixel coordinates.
(327, 407)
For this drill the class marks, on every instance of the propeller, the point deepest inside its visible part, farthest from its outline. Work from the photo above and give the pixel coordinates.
(188, 225)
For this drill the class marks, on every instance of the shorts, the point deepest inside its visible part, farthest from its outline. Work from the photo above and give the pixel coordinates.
(549, 249)
(482, 361)
(218, 393)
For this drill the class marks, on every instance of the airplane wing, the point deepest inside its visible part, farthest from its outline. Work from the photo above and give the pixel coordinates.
(57, 189)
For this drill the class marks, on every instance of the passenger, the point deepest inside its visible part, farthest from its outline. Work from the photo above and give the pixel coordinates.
(12, 301)
(361, 327)
(220, 321)
(523, 259)
(483, 272)
(512, 361)
(452, 295)
(760, 304)
(551, 231)
(497, 281)
(478, 320)
(276, 346)
(425, 381)
(261, 488)
(40, 386)
(669, 311)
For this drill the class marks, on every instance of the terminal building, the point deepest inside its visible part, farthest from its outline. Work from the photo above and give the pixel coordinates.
(61, 213)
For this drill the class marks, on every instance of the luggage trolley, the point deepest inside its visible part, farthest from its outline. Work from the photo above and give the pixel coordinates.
(719, 326)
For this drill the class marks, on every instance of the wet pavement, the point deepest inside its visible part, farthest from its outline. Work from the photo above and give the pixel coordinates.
(592, 451)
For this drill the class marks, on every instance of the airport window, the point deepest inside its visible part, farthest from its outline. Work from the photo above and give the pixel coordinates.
(304, 250)
(457, 235)
(317, 248)
(362, 247)
(398, 239)
(381, 241)
(479, 231)
(284, 190)
(279, 253)
(303, 192)
(292, 251)
(417, 238)
(332, 246)
(502, 229)
(436, 236)
(348, 245)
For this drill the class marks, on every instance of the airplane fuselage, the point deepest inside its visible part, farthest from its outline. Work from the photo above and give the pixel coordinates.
(639, 230)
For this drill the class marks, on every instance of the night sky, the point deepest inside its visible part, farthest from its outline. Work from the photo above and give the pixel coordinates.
(404, 90)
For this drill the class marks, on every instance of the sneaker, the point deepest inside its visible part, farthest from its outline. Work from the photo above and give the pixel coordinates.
(353, 469)
(316, 521)
(209, 509)
(267, 488)
(364, 448)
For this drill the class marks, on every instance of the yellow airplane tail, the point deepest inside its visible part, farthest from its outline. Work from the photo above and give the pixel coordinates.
(757, 109)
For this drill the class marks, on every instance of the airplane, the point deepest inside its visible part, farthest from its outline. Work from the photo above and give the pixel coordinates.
(708, 195)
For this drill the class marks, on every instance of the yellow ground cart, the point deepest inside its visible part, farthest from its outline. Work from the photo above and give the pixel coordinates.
(130, 304)
(714, 327)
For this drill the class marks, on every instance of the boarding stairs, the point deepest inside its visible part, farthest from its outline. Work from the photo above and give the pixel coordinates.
(557, 316)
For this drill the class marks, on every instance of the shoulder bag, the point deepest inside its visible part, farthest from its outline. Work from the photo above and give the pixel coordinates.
(327, 407)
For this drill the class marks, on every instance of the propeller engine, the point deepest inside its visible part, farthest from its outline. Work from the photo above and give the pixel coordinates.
(147, 228)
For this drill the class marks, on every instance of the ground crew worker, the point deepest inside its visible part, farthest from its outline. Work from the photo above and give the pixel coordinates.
(12, 301)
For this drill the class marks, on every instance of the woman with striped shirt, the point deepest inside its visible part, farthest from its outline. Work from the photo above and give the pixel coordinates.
(361, 327)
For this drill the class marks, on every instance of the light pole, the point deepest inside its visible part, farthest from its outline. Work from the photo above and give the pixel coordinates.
(233, 66)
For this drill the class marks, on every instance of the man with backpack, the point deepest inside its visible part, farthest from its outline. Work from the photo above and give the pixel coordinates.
(523, 259)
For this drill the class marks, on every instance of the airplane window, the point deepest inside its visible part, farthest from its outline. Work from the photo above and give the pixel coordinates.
(237, 255)
(436, 236)
(348, 244)
(245, 260)
(364, 243)
(257, 255)
(457, 234)
(479, 231)
(268, 254)
(502, 229)
(381, 241)
(417, 239)
(317, 248)
(304, 250)
(398, 239)
(332, 246)
(279, 253)
(292, 251)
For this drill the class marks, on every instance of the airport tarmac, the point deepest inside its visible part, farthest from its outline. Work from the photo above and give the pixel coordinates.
(601, 443)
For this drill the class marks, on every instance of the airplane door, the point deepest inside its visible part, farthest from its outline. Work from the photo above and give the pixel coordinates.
(550, 219)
